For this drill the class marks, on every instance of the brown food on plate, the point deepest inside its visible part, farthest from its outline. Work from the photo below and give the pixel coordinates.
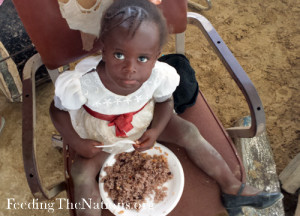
(134, 176)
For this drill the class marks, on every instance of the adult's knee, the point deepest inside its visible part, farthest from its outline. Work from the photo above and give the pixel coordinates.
(82, 171)
(189, 132)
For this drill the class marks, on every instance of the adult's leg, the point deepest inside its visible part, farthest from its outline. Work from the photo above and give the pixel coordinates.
(84, 172)
(203, 154)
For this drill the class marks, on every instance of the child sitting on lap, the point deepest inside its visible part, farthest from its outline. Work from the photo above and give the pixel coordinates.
(127, 93)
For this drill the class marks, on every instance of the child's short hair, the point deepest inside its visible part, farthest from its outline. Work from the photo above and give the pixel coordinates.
(134, 12)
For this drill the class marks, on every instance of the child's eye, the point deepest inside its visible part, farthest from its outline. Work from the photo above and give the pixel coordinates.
(119, 56)
(143, 59)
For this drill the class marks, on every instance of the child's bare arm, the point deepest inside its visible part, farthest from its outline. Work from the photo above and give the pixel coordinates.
(162, 114)
(62, 122)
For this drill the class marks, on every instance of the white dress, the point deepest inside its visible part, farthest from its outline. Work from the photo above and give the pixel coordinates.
(83, 86)
(85, 20)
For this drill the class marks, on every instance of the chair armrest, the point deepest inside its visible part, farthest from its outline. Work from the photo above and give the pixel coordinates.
(239, 76)
(28, 133)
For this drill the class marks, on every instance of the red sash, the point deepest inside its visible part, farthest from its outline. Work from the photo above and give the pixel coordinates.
(121, 122)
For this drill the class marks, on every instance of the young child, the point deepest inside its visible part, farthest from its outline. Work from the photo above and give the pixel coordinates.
(127, 94)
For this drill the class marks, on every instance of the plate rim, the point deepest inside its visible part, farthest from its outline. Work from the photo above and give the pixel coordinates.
(166, 211)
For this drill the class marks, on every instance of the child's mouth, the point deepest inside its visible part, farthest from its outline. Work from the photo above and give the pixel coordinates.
(129, 82)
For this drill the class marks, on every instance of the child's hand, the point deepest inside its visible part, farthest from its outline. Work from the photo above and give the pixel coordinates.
(146, 141)
(86, 147)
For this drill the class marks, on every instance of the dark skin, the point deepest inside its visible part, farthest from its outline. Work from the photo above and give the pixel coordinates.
(123, 77)
(62, 122)
(86, 147)
(162, 115)
(127, 64)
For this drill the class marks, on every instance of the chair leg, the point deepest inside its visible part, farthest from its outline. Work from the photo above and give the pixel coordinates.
(68, 160)
(28, 133)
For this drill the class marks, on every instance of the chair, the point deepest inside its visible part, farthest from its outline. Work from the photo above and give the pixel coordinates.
(57, 45)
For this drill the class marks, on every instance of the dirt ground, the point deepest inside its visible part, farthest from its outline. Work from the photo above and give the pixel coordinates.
(264, 36)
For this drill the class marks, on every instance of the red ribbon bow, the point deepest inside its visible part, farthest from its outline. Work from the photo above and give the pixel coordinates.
(121, 122)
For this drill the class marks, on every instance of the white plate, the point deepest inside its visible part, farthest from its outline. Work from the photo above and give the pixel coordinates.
(174, 185)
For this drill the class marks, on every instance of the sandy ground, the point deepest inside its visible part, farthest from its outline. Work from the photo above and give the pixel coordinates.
(264, 37)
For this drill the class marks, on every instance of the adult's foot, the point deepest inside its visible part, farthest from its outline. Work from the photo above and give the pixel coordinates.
(258, 200)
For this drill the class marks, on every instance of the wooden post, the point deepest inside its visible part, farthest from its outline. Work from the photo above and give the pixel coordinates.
(290, 176)
(260, 168)
(10, 81)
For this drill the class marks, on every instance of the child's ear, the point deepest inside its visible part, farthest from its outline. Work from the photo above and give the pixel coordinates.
(103, 55)
(102, 49)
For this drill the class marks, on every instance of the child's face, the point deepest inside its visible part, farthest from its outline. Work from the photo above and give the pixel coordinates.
(129, 60)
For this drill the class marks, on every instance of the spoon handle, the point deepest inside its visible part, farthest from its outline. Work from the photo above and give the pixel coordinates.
(116, 143)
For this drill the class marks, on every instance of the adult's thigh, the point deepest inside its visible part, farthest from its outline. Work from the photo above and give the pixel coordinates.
(178, 130)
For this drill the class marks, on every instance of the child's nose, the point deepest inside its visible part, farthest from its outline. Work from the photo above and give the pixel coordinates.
(130, 66)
